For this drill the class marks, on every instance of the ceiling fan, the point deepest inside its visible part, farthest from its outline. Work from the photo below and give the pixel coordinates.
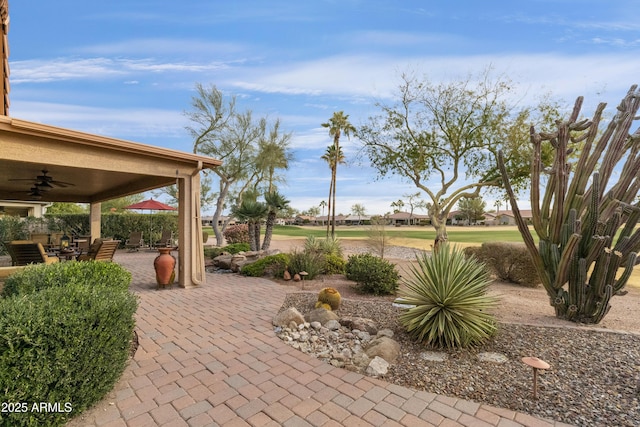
(45, 181)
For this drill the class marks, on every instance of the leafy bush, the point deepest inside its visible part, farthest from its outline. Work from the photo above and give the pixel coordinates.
(271, 264)
(36, 277)
(12, 228)
(509, 262)
(65, 344)
(372, 275)
(449, 292)
(237, 234)
(334, 264)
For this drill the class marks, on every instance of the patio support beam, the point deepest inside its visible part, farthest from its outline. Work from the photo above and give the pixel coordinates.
(94, 220)
(191, 247)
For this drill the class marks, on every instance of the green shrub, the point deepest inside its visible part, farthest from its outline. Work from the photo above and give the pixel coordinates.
(65, 344)
(271, 264)
(311, 262)
(36, 277)
(372, 275)
(236, 234)
(334, 264)
(449, 295)
(235, 248)
(509, 262)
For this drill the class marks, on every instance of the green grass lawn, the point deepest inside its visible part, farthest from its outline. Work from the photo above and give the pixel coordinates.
(474, 235)
(469, 235)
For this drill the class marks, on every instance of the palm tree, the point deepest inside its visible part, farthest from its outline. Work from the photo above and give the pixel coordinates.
(323, 205)
(332, 157)
(253, 212)
(338, 124)
(275, 203)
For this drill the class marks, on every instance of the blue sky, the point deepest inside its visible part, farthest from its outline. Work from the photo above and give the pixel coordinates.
(128, 68)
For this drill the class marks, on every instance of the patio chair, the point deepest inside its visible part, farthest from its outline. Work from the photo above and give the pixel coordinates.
(166, 239)
(25, 252)
(134, 242)
(100, 250)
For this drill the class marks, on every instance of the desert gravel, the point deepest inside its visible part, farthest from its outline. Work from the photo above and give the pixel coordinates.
(594, 379)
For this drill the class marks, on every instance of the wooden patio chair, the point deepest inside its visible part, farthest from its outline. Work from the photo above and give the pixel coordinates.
(166, 240)
(100, 250)
(134, 242)
(25, 252)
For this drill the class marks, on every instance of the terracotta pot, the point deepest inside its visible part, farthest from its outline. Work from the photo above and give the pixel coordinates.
(164, 265)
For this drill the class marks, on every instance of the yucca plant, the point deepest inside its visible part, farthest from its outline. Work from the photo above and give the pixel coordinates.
(448, 295)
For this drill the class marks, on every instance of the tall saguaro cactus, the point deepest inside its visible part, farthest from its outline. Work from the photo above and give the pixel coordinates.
(587, 219)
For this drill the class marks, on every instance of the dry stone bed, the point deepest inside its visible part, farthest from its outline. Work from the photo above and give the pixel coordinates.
(594, 379)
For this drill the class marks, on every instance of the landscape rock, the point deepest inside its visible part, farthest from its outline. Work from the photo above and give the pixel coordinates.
(321, 315)
(296, 277)
(223, 261)
(286, 275)
(284, 318)
(377, 367)
(237, 261)
(360, 323)
(383, 347)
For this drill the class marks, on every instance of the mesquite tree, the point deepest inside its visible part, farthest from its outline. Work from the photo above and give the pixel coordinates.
(587, 219)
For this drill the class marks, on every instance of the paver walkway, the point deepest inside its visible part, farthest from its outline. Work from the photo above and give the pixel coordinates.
(208, 356)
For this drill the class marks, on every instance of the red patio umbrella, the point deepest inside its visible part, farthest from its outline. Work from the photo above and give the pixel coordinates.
(150, 205)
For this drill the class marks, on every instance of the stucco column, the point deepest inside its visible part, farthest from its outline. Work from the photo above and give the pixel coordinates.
(191, 248)
(95, 216)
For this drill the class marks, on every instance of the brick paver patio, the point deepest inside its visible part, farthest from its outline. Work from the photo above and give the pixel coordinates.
(208, 356)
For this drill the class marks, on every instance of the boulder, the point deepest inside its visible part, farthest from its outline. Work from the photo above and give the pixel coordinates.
(237, 262)
(286, 275)
(383, 347)
(321, 315)
(284, 318)
(296, 277)
(377, 367)
(361, 324)
(223, 261)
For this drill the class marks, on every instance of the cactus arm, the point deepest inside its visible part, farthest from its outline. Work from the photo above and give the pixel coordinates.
(522, 227)
(562, 271)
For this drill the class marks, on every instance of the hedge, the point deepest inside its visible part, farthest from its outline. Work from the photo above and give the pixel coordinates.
(36, 277)
(62, 348)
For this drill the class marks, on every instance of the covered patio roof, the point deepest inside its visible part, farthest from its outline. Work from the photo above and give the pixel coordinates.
(99, 168)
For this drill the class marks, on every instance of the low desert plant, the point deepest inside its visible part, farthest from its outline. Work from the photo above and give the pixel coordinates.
(311, 262)
(508, 261)
(334, 264)
(328, 246)
(372, 275)
(235, 248)
(272, 264)
(448, 292)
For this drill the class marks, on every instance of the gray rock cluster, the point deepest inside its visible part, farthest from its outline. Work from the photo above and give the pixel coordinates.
(227, 261)
(353, 343)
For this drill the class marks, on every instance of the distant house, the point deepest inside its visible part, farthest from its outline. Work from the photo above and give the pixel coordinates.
(406, 218)
(305, 220)
(356, 220)
(340, 219)
(208, 221)
(506, 217)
